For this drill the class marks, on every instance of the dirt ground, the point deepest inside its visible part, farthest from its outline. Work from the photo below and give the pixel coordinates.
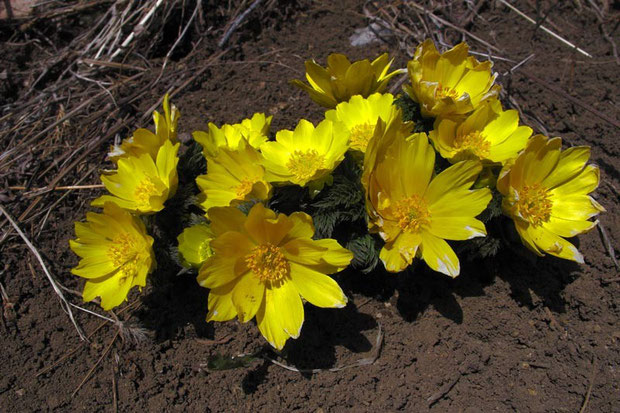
(517, 334)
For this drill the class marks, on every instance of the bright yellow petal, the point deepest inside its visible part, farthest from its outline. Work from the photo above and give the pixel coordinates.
(457, 228)
(416, 159)
(539, 164)
(568, 228)
(459, 176)
(463, 203)
(575, 207)
(264, 227)
(113, 291)
(570, 164)
(221, 307)
(217, 271)
(525, 232)
(554, 245)
(268, 322)
(317, 288)
(232, 244)
(247, 296)
(582, 184)
(392, 260)
(96, 264)
(289, 308)
(439, 255)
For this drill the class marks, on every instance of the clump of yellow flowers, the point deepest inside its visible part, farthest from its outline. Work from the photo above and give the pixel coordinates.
(267, 221)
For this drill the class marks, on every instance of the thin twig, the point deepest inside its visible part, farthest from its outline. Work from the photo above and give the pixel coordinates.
(90, 372)
(64, 303)
(607, 243)
(560, 38)
(58, 188)
(136, 29)
(237, 22)
(589, 392)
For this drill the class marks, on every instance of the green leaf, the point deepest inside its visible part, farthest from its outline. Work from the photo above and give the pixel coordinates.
(220, 362)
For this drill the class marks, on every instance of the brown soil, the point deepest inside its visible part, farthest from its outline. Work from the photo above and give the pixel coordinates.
(520, 333)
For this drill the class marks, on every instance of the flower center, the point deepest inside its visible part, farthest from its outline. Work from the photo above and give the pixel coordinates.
(360, 135)
(303, 165)
(534, 204)
(204, 250)
(267, 262)
(143, 192)
(244, 188)
(474, 142)
(412, 213)
(123, 254)
(446, 92)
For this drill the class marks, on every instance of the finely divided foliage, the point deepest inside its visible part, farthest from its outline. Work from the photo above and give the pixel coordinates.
(392, 178)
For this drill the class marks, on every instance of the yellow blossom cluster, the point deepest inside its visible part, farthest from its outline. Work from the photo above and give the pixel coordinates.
(115, 249)
(261, 262)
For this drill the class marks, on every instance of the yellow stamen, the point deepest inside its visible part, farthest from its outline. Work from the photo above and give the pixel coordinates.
(143, 192)
(360, 135)
(303, 165)
(534, 204)
(244, 188)
(474, 142)
(123, 255)
(412, 213)
(267, 262)
(446, 92)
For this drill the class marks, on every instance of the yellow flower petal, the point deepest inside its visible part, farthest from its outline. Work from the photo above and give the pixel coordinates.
(263, 225)
(459, 176)
(392, 259)
(290, 314)
(582, 184)
(570, 164)
(224, 219)
(217, 271)
(554, 245)
(568, 228)
(317, 288)
(576, 207)
(221, 307)
(247, 296)
(342, 79)
(112, 290)
(439, 255)
(268, 322)
(457, 228)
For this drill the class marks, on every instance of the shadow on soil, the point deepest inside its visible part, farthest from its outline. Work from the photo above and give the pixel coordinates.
(174, 302)
(533, 281)
(324, 330)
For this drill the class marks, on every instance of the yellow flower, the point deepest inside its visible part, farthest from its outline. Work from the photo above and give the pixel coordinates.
(233, 176)
(140, 184)
(489, 134)
(253, 130)
(546, 194)
(448, 84)
(307, 155)
(194, 245)
(263, 263)
(415, 214)
(360, 116)
(116, 254)
(145, 141)
(342, 79)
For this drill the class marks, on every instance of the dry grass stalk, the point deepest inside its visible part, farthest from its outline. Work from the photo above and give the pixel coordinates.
(64, 303)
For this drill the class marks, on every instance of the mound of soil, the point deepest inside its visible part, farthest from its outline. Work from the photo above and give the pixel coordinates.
(517, 334)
